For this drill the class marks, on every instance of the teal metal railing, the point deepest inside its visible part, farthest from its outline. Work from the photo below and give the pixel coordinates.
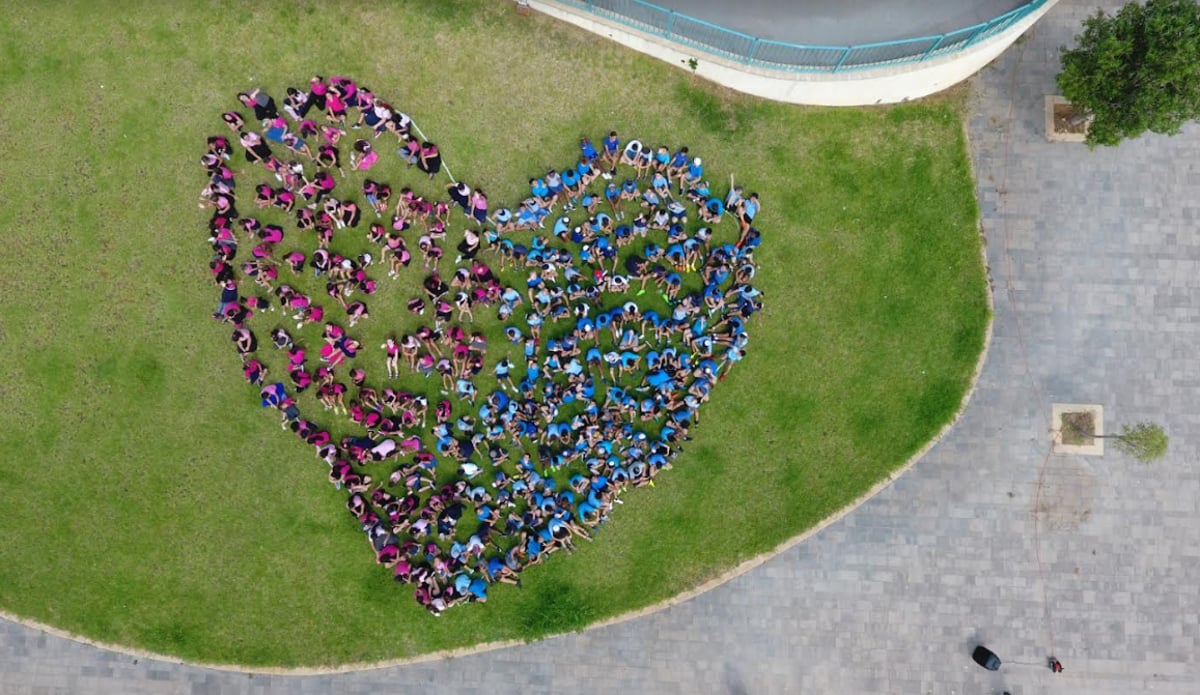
(780, 55)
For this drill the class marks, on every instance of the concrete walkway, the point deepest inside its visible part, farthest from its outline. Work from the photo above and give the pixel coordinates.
(842, 23)
(1096, 263)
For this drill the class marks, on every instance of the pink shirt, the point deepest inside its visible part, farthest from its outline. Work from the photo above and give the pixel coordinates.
(368, 161)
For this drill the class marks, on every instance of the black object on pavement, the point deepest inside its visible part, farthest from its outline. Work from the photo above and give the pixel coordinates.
(986, 658)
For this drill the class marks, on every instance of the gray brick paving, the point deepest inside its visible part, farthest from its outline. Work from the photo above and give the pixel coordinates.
(1094, 257)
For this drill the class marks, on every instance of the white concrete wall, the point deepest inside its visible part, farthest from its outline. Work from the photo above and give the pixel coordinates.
(885, 85)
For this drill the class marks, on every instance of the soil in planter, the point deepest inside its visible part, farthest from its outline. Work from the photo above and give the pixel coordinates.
(1064, 115)
(1078, 429)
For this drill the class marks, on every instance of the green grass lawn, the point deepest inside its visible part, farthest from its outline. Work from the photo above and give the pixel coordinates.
(145, 497)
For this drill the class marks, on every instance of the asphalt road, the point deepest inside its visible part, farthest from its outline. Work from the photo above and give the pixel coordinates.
(842, 22)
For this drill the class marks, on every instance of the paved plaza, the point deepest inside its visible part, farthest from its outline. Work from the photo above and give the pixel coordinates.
(1095, 261)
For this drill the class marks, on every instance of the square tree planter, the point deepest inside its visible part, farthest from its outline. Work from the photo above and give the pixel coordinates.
(1067, 420)
(1060, 117)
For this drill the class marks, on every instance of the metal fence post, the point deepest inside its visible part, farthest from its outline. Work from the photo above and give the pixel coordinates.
(753, 50)
(932, 48)
(670, 22)
(842, 60)
(974, 36)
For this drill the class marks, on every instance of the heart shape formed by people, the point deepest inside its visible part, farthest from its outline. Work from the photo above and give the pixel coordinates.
(472, 447)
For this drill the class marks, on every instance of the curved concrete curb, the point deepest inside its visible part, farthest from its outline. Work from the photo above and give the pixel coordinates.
(722, 578)
(886, 85)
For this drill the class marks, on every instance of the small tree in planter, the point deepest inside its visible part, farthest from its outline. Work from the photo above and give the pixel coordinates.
(1135, 71)
(1145, 441)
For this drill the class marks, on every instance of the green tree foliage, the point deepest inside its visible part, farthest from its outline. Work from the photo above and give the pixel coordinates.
(1144, 441)
(1137, 70)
